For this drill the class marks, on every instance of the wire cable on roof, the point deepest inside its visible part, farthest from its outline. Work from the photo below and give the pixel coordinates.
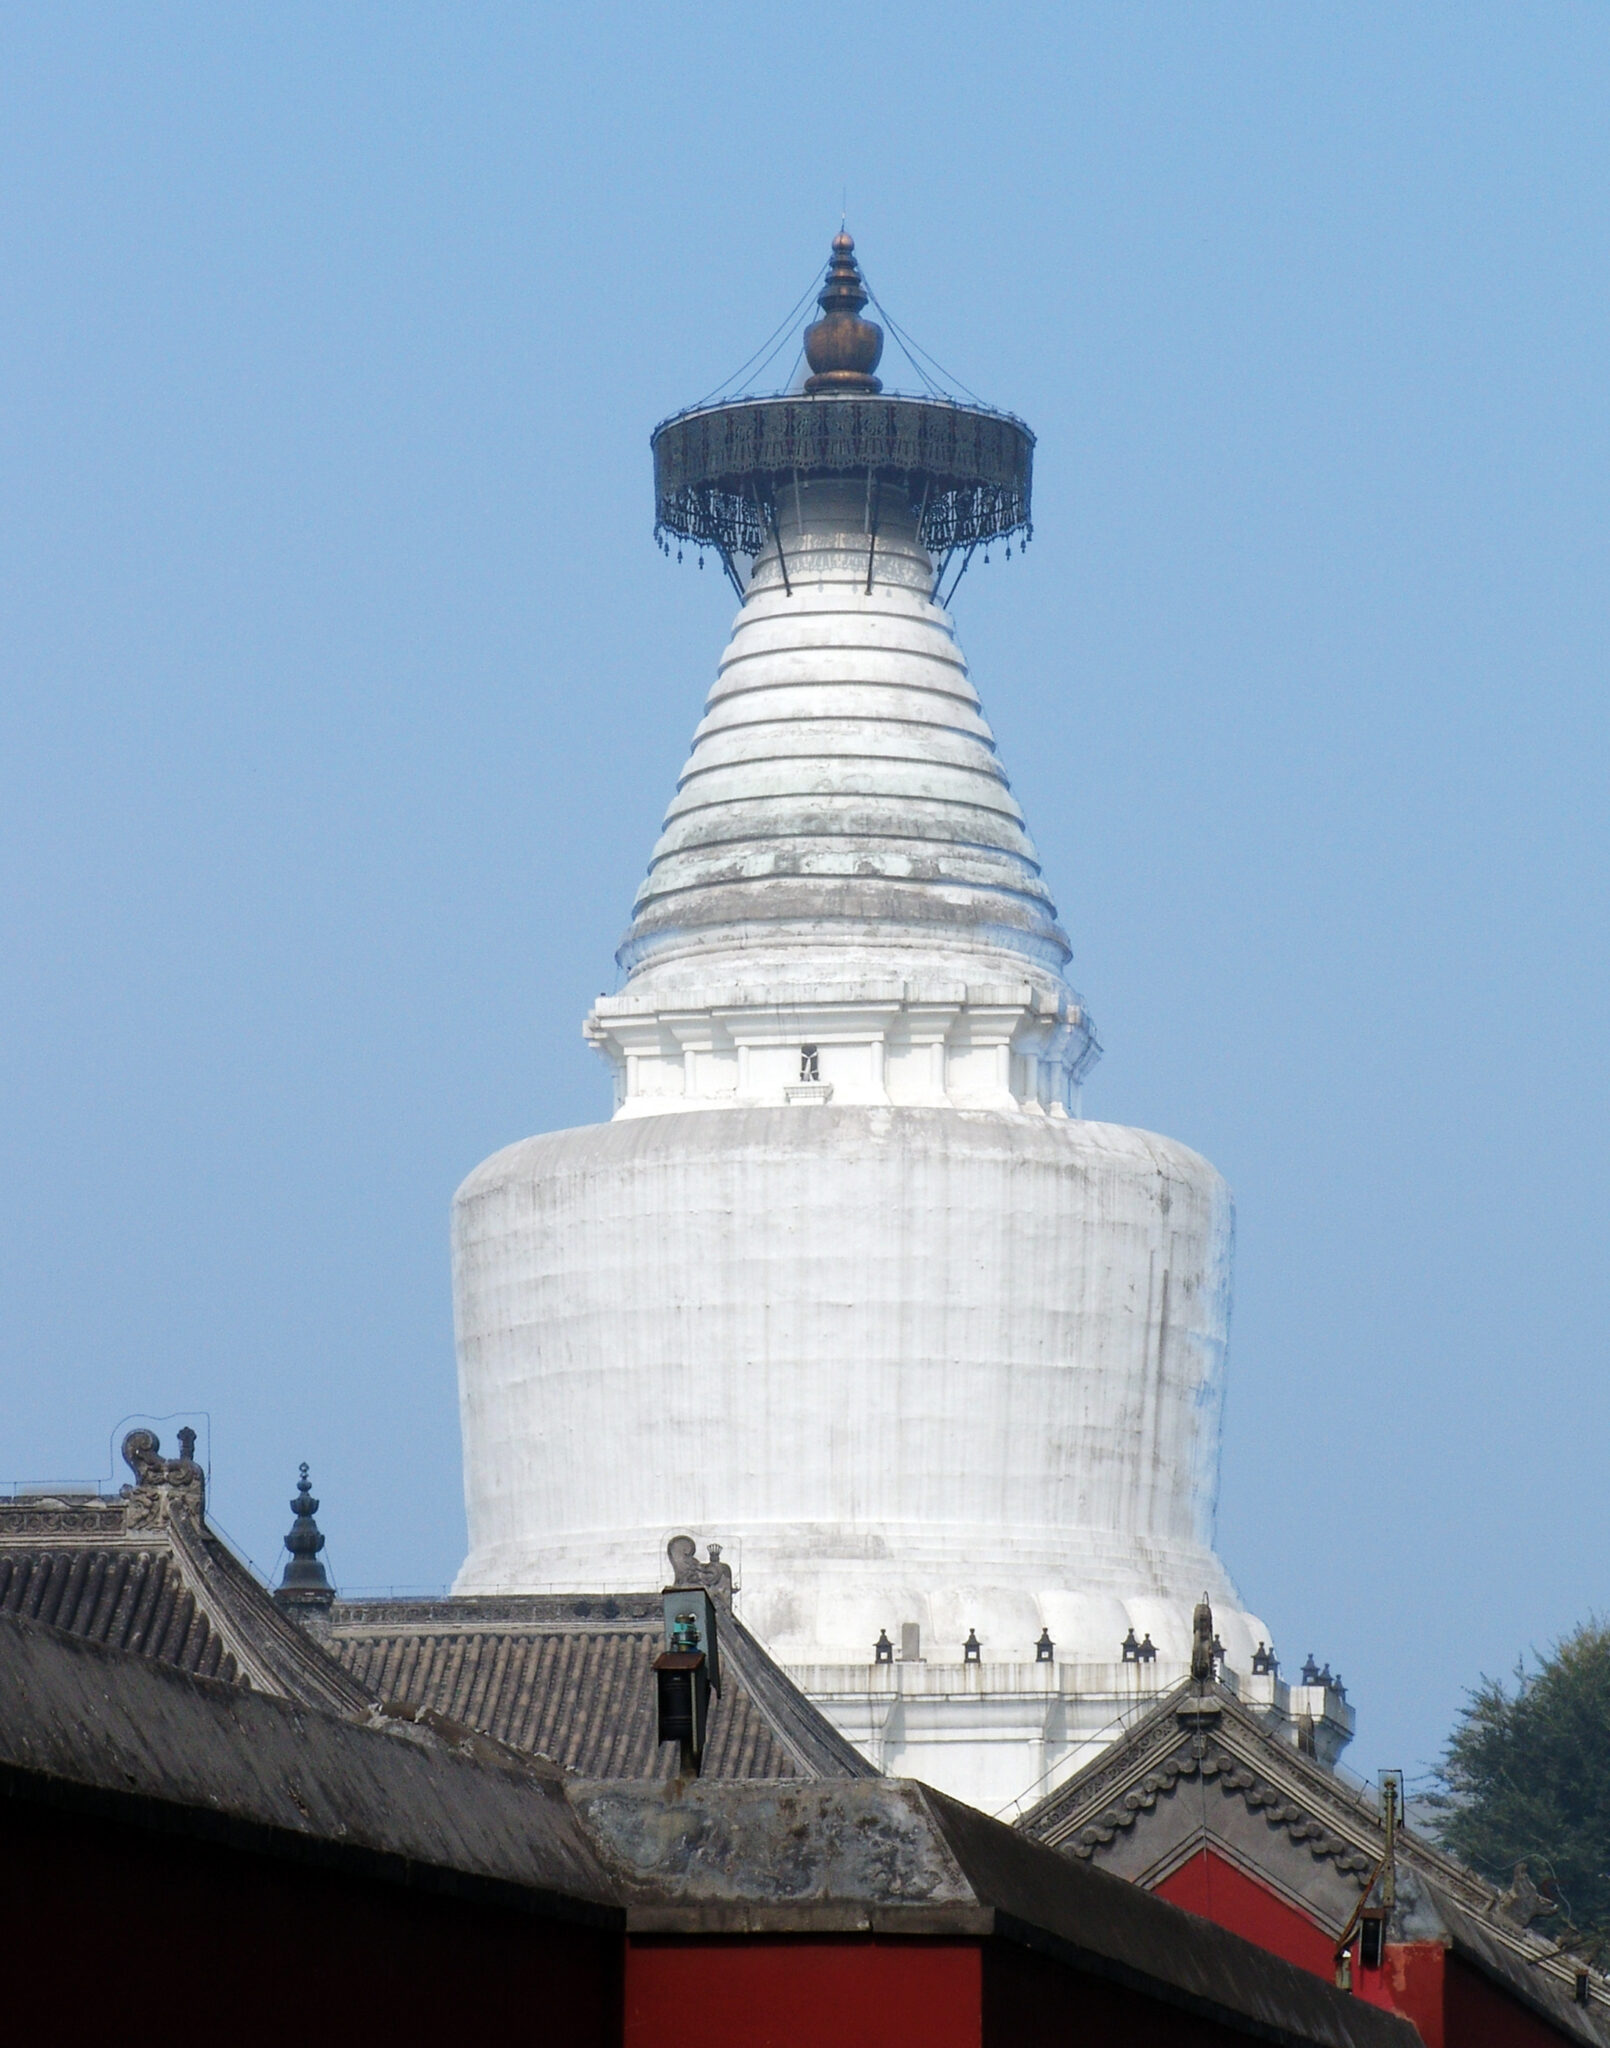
(914, 348)
(949, 386)
(768, 348)
(934, 390)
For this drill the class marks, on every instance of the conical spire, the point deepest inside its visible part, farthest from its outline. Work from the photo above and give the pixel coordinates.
(844, 814)
(842, 348)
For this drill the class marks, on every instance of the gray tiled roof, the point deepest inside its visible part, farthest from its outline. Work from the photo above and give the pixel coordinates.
(1141, 1807)
(270, 1775)
(573, 1679)
(127, 1598)
(569, 1678)
(142, 1570)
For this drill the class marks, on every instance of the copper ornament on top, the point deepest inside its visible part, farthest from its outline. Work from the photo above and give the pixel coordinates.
(842, 348)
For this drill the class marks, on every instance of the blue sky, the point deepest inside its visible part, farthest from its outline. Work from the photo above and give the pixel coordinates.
(342, 688)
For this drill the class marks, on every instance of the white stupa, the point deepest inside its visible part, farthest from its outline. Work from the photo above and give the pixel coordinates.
(847, 1285)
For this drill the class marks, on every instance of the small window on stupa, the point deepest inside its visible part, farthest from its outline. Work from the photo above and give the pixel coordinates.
(810, 1067)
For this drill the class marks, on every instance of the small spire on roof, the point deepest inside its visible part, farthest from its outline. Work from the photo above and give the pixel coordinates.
(842, 348)
(305, 1578)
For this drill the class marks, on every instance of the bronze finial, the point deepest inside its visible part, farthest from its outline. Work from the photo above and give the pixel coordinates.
(842, 348)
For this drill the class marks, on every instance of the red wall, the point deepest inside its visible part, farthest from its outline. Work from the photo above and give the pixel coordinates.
(1208, 1885)
(109, 1928)
(865, 1992)
(1411, 1982)
(802, 1992)
(1451, 2004)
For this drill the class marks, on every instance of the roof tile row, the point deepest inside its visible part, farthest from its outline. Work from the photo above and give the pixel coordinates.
(130, 1599)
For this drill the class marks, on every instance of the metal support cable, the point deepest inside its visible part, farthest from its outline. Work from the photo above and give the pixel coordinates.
(913, 349)
(767, 349)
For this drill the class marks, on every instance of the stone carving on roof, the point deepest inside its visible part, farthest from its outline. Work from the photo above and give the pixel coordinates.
(40, 1519)
(162, 1486)
(1523, 1901)
(687, 1570)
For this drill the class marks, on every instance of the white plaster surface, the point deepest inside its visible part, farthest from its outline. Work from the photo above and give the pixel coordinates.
(962, 1368)
(846, 1284)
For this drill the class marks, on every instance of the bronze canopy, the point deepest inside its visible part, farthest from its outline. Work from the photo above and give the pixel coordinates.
(720, 470)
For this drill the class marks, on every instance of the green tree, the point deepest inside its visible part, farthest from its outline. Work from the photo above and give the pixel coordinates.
(1526, 1775)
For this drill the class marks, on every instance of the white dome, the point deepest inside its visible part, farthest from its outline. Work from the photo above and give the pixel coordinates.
(893, 1359)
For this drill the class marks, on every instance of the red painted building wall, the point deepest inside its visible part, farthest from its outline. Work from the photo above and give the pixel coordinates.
(863, 1992)
(1452, 2005)
(1411, 1978)
(1216, 1889)
(802, 1991)
(1477, 2010)
(112, 1930)
(1208, 1885)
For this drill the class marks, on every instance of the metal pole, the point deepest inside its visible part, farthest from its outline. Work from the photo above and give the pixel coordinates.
(960, 573)
(770, 512)
(1389, 1875)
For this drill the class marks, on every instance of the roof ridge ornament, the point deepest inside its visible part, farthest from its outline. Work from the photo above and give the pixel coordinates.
(1207, 1652)
(842, 348)
(305, 1583)
(686, 1569)
(161, 1485)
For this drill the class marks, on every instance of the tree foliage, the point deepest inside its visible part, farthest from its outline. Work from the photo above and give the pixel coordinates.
(1526, 1774)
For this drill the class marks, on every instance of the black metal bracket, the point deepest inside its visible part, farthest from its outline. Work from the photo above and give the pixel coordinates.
(776, 534)
(944, 603)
